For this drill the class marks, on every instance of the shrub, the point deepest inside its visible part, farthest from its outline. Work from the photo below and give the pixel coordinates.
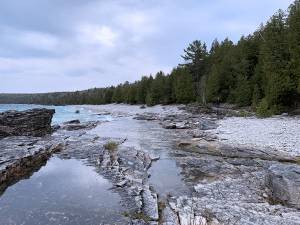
(263, 109)
(111, 145)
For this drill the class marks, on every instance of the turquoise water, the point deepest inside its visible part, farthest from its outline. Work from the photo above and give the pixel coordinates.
(62, 113)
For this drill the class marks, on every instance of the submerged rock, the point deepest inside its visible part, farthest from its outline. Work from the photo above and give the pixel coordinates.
(72, 122)
(33, 122)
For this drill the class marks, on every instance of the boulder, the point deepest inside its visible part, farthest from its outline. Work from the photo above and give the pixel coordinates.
(207, 125)
(77, 125)
(169, 125)
(72, 122)
(146, 116)
(284, 185)
(32, 122)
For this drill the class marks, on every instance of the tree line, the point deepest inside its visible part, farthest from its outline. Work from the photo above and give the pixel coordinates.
(261, 70)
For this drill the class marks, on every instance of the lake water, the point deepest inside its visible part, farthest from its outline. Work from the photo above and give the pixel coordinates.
(62, 113)
(65, 192)
(69, 192)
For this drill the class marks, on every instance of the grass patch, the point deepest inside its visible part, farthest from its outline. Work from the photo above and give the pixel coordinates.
(111, 145)
(244, 113)
(161, 206)
(137, 216)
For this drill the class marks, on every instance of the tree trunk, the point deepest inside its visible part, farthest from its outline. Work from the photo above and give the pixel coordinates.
(203, 89)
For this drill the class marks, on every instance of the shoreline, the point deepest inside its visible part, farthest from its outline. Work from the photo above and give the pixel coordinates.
(220, 178)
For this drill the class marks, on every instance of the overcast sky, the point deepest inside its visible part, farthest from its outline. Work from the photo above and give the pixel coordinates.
(65, 45)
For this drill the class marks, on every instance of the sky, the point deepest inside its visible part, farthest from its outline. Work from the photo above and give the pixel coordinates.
(67, 45)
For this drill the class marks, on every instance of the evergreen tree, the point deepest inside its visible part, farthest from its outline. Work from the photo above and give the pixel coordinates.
(276, 63)
(293, 22)
(195, 56)
(183, 85)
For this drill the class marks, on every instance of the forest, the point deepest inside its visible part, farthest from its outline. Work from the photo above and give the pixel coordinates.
(261, 71)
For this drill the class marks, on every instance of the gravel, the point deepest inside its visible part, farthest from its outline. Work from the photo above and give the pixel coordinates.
(276, 133)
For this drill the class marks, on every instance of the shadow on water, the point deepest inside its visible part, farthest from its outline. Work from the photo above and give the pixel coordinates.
(61, 192)
(26, 173)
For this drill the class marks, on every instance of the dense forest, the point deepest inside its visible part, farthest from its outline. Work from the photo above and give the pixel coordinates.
(261, 70)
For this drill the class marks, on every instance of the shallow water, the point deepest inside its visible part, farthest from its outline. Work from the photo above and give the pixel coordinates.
(62, 192)
(150, 137)
(69, 192)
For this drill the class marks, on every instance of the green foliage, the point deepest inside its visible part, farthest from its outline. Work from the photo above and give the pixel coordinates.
(111, 146)
(263, 109)
(293, 22)
(196, 61)
(261, 70)
(183, 85)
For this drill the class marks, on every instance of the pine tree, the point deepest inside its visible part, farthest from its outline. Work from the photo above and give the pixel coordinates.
(183, 85)
(293, 21)
(276, 63)
(195, 56)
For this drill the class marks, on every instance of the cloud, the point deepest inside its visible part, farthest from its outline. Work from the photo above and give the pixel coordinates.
(94, 34)
(77, 44)
(37, 40)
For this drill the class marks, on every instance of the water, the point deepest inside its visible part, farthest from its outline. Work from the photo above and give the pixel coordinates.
(62, 113)
(69, 192)
(150, 137)
(62, 192)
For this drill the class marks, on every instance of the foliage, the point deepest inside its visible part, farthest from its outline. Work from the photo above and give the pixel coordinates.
(261, 70)
(263, 109)
(111, 145)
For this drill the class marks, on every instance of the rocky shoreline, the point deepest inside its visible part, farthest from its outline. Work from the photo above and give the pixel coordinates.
(232, 185)
(228, 185)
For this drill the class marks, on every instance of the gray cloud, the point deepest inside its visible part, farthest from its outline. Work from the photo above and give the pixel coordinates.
(77, 44)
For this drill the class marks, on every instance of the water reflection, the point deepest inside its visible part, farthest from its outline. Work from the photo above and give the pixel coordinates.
(62, 192)
(152, 138)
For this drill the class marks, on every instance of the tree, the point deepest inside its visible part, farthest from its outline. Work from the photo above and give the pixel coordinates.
(276, 63)
(183, 85)
(293, 22)
(221, 78)
(195, 56)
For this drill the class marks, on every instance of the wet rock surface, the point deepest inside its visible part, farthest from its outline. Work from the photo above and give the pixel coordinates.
(21, 156)
(125, 167)
(33, 122)
(77, 125)
(231, 184)
(227, 184)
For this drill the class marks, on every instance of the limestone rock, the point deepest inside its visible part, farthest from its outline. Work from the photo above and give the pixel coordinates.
(77, 125)
(33, 122)
(284, 183)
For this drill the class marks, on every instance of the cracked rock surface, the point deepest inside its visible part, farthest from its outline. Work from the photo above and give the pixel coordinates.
(226, 184)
